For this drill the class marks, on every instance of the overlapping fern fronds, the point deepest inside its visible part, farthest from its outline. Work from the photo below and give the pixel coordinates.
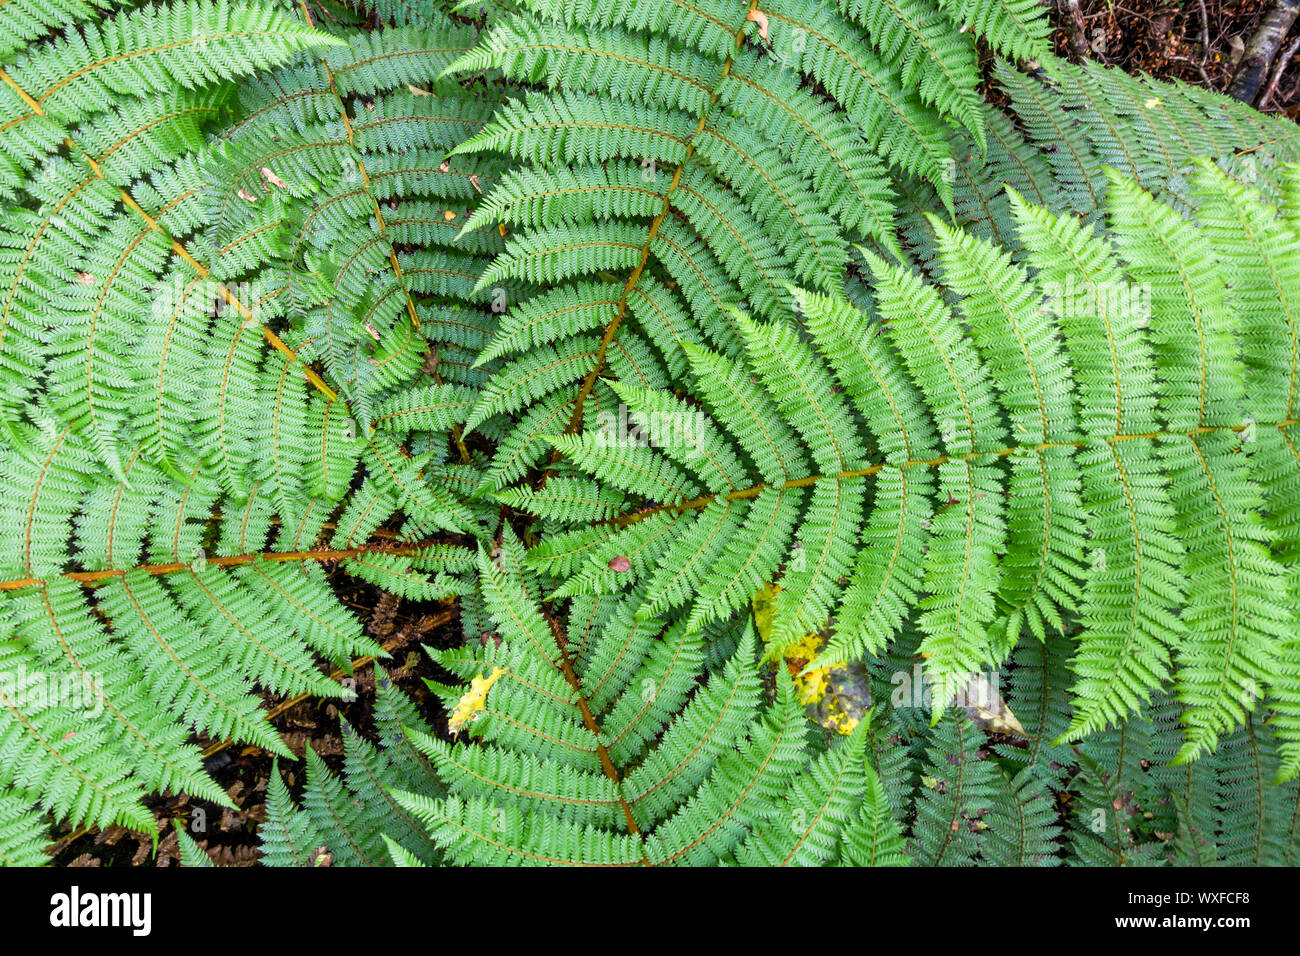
(1065, 124)
(598, 745)
(1076, 476)
(678, 160)
(520, 783)
(1087, 443)
(200, 405)
(300, 285)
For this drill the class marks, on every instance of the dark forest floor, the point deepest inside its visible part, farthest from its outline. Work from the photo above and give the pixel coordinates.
(1166, 39)
(1197, 41)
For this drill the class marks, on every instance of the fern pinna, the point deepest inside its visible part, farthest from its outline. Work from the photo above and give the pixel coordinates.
(519, 782)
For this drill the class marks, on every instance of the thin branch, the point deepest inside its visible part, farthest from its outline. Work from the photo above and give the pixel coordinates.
(1282, 63)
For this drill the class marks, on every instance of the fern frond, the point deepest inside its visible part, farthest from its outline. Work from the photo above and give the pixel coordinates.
(1113, 478)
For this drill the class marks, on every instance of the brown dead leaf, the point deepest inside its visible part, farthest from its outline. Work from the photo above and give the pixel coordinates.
(142, 853)
(984, 704)
(381, 618)
(236, 856)
(111, 836)
(273, 179)
(1236, 49)
(168, 850)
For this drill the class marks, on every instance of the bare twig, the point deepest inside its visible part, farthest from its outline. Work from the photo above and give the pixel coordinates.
(1200, 66)
(1278, 71)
